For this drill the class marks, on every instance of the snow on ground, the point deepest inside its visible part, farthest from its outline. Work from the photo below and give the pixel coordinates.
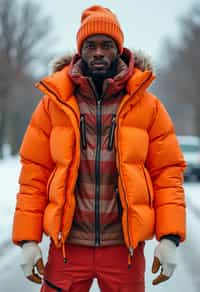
(9, 172)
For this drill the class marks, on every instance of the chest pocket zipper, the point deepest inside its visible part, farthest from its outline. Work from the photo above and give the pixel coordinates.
(111, 133)
(83, 132)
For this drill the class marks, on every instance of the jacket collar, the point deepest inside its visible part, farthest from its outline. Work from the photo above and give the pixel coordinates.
(60, 83)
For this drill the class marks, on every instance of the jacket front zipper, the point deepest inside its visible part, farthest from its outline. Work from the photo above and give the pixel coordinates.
(97, 172)
(60, 235)
(130, 247)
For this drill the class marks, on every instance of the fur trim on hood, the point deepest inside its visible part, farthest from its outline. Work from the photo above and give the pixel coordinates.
(142, 61)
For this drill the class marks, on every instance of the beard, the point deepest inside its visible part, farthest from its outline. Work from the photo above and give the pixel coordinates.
(100, 76)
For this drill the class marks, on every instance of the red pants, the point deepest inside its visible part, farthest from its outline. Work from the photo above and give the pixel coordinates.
(109, 265)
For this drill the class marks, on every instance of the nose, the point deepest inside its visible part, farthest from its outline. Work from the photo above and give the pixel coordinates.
(98, 53)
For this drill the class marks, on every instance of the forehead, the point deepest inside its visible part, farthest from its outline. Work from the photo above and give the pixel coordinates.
(99, 38)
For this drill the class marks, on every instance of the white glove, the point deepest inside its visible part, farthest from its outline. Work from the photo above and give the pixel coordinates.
(164, 257)
(31, 260)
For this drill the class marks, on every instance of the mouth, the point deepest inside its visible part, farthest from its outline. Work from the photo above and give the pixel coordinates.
(98, 65)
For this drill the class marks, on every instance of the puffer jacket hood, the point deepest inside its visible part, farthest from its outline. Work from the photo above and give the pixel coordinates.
(141, 61)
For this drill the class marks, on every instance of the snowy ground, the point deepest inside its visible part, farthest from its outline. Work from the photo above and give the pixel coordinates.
(9, 171)
(185, 279)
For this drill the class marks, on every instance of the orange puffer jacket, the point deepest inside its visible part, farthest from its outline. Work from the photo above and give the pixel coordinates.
(149, 162)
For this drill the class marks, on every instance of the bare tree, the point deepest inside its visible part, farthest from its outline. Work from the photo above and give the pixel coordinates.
(24, 31)
(24, 36)
(5, 82)
(181, 78)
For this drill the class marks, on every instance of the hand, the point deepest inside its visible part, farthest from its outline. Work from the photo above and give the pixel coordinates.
(32, 263)
(164, 257)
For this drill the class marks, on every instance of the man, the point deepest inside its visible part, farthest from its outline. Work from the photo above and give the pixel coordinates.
(101, 170)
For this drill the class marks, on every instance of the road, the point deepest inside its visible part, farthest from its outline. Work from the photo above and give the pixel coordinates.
(186, 277)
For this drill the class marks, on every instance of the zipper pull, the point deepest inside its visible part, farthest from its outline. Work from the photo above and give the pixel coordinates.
(60, 236)
(111, 133)
(61, 239)
(83, 132)
(64, 253)
(130, 255)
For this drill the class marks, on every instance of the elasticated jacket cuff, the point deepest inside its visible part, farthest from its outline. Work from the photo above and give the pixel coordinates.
(172, 237)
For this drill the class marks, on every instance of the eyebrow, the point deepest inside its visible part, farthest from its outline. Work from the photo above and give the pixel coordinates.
(105, 41)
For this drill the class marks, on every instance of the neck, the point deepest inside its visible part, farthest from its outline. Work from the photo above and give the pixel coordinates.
(99, 79)
(98, 82)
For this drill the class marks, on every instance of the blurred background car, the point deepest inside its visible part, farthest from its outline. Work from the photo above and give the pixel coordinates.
(190, 146)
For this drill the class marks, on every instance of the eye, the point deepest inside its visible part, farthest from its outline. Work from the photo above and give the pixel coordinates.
(89, 46)
(107, 45)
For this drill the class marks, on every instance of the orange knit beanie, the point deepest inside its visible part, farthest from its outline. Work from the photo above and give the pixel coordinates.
(99, 20)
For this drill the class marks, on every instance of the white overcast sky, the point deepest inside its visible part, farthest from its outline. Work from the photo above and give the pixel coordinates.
(145, 23)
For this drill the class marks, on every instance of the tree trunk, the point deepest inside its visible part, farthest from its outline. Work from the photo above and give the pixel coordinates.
(197, 120)
(2, 124)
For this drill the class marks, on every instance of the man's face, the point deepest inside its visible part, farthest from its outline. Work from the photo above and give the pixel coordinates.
(99, 53)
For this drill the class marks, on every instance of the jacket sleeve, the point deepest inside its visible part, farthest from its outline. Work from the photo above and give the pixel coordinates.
(166, 165)
(36, 168)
